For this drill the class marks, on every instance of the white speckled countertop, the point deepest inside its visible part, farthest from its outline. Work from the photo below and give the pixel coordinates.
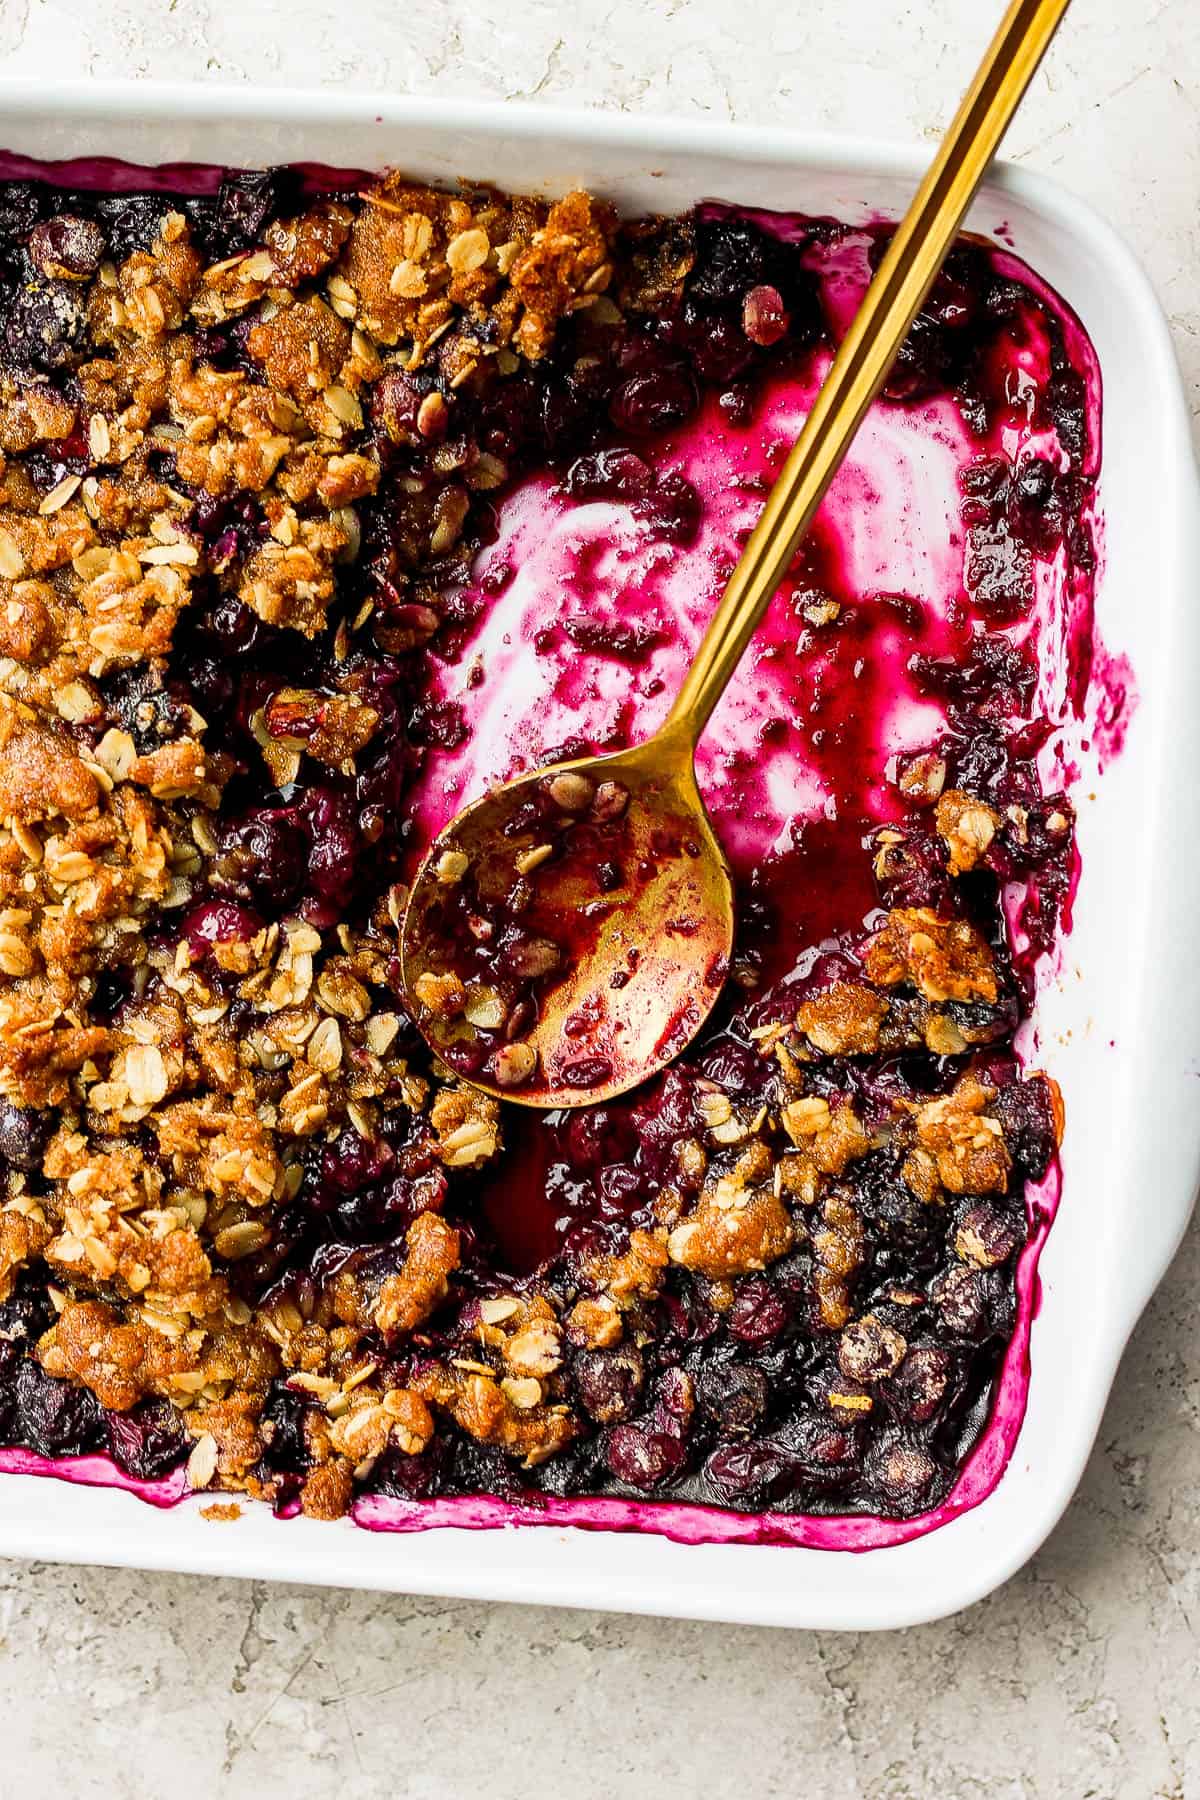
(1079, 1678)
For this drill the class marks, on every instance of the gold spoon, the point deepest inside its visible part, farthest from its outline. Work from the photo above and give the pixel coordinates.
(586, 992)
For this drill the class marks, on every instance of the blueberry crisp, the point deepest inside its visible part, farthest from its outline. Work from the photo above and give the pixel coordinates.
(256, 445)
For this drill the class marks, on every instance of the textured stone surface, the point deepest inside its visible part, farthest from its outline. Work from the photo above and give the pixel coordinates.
(1079, 1678)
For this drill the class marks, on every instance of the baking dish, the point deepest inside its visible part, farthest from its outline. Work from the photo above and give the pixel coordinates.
(1115, 1025)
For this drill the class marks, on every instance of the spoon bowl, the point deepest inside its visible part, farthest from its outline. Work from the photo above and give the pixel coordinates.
(568, 934)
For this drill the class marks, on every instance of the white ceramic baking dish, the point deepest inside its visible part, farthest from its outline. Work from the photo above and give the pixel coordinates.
(1119, 1026)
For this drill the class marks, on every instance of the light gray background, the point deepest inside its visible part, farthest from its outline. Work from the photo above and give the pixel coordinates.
(1079, 1678)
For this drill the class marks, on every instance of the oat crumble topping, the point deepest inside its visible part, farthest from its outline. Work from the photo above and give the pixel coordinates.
(268, 429)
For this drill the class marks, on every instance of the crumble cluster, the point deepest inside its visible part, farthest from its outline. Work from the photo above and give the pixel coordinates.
(165, 1135)
(281, 453)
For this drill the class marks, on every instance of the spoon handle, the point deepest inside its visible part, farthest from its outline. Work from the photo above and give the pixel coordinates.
(860, 367)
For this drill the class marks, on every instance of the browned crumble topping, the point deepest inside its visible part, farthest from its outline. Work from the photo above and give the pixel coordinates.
(185, 1117)
(407, 1298)
(221, 1512)
(740, 1224)
(634, 1275)
(944, 959)
(843, 1020)
(180, 1136)
(417, 261)
(966, 1143)
(968, 826)
(507, 1413)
